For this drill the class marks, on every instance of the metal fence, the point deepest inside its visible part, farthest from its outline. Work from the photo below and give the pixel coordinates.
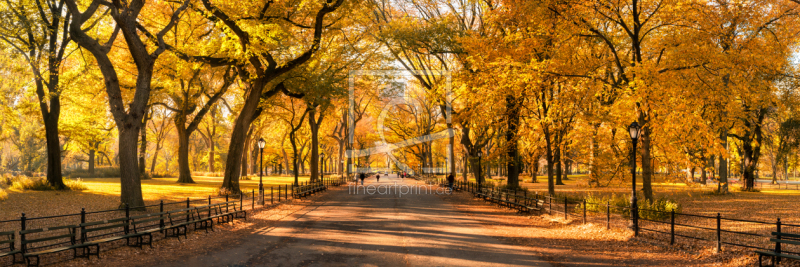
(684, 229)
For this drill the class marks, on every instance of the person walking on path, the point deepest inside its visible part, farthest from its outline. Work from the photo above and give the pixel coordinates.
(378, 177)
(450, 180)
(362, 176)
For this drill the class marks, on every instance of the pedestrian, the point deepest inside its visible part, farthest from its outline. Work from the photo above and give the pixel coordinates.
(378, 177)
(362, 177)
(450, 180)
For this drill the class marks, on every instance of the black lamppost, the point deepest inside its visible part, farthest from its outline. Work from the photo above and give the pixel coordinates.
(634, 130)
(321, 166)
(261, 144)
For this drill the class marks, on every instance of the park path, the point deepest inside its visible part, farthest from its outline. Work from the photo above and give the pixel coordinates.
(389, 229)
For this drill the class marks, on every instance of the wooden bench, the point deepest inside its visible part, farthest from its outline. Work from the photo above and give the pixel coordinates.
(144, 226)
(214, 211)
(237, 212)
(181, 219)
(538, 204)
(71, 236)
(92, 227)
(8, 243)
(777, 254)
(306, 190)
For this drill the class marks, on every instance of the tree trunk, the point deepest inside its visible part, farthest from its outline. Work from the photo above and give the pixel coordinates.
(647, 169)
(340, 169)
(703, 177)
(54, 178)
(465, 169)
(241, 128)
(211, 159)
(155, 158)
(722, 187)
(294, 159)
(557, 161)
(476, 169)
(131, 186)
(551, 188)
(774, 170)
(246, 152)
(749, 165)
(512, 153)
(314, 127)
(91, 161)
(594, 151)
(184, 173)
(254, 158)
(143, 147)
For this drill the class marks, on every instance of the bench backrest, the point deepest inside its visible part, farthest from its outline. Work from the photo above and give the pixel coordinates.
(56, 233)
(186, 214)
(144, 221)
(783, 235)
(228, 205)
(207, 209)
(7, 240)
(90, 227)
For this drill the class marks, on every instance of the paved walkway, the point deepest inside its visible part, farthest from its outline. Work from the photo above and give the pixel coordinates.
(389, 229)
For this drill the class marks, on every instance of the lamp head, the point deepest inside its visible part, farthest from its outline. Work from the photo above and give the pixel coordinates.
(261, 143)
(634, 130)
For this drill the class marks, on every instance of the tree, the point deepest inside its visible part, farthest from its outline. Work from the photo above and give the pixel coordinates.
(38, 30)
(255, 61)
(129, 120)
(294, 120)
(160, 129)
(186, 98)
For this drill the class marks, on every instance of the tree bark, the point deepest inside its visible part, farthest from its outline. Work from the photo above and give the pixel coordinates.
(557, 161)
(512, 153)
(246, 152)
(722, 187)
(155, 158)
(647, 170)
(91, 160)
(143, 147)
(184, 173)
(551, 188)
(131, 185)
(211, 155)
(313, 124)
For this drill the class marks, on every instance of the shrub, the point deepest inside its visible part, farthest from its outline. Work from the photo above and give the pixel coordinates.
(23, 182)
(658, 209)
(40, 184)
(3, 194)
(161, 175)
(75, 185)
(7, 179)
(246, 178)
